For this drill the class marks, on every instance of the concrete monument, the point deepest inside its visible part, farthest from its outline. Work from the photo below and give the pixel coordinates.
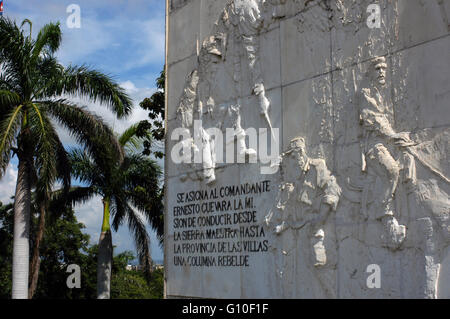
(308, 147)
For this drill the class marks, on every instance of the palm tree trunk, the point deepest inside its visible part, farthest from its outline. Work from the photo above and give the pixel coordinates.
(105, 252)
(21, 248)
(36, 261)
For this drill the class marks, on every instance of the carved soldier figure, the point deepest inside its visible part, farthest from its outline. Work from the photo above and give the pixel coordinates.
(377, 161)
(307, 195)
(317, 192)
(247, 19)
(199, 145)
(221, 116)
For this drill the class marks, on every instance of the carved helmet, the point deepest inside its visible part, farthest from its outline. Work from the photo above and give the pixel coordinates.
(379, 61)
(296, 144)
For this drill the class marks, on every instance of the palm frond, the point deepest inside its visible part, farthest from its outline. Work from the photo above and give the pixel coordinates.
(46, 153)
(134, 137)
(142, 171)
(30, 24)
(83, 168)
(118, 209)
(48, 39)
(15, 54)
(140, 178)
(48, 72)
(152, 209)
(11, 38)
(128, 135)
(87, 128)
(63, 166)
(9, 126)
(81, 81)
(8, 82)
(141, 238)
(8, 99)
(62, 199)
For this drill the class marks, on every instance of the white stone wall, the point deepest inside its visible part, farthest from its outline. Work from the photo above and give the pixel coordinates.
(314, 58)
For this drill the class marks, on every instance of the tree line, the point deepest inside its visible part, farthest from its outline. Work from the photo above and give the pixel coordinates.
(36, 95)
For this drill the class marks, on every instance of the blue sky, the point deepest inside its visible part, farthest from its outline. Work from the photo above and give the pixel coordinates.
(123, 38)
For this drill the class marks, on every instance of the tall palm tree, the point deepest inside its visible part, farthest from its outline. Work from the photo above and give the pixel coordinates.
(129, 189)
(32, 84)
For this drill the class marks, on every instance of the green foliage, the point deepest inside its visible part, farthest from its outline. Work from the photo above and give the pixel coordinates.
(6, 240)
(156, 107)
(123, 259)
(130, 184)
(31, 83)
(64, 244)
(132, 284)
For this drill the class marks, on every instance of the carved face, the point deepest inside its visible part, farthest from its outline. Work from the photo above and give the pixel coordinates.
(300, 158)
(380, 73)
(293, 165)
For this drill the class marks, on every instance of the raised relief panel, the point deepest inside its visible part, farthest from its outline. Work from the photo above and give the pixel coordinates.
(302, 224)
(360, 109)
(395, 173)
(184, 34)
(193, 262)
(352, 40)
(420, 84)
(175, 4)
(421, 21)
(305, 44)
(179, 71)
(307, 110)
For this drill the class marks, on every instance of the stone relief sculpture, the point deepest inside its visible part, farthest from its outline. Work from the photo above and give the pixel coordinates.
(220, 116)
(195, 95)
(307, 194)
(187, 113)
(240, 23)
(383, 171)
(278, 8)
(399, 207)
(380, 142)
(401, 178)
(248, 21)
(314, 17)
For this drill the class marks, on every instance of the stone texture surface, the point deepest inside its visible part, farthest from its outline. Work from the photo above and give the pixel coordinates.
(359, 174)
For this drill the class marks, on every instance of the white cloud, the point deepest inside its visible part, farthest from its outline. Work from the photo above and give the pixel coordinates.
(119, 126)
(104, 38)
(78, 44)
(149, 38)
(138, 114)
(8, 184)
(91, 213)
(116, 36)
(129, 87)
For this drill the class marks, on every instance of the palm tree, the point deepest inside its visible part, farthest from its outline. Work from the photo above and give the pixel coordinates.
(39, 209)
(32, 84)
(129, 188)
